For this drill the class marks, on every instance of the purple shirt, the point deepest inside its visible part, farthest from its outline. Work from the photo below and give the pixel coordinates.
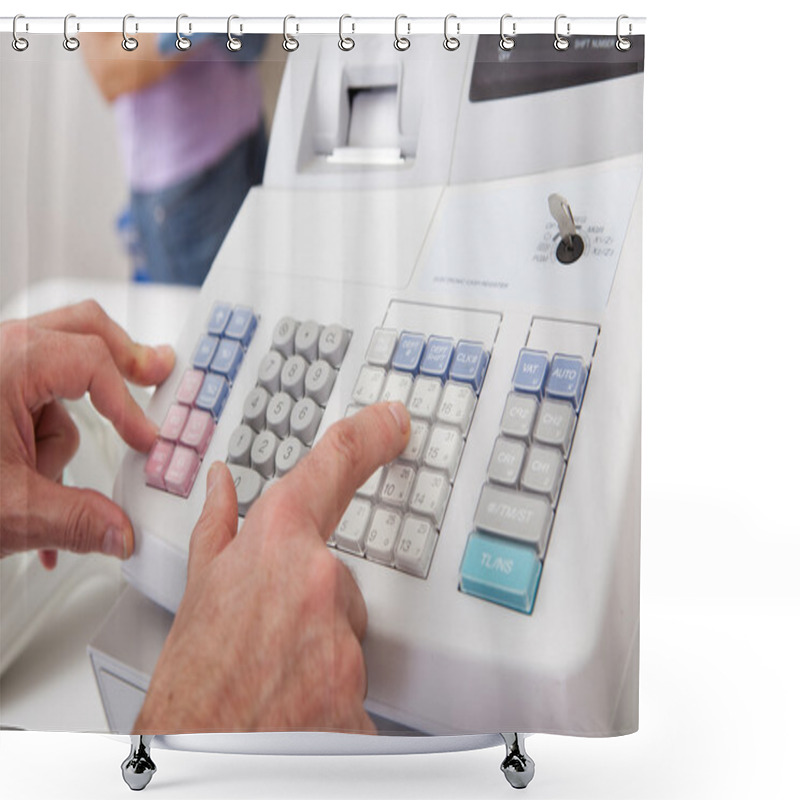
(184, 123)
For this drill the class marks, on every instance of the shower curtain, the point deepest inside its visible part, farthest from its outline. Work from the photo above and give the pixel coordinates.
(440, 233)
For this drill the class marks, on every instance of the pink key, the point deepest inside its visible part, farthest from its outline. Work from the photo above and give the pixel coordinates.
(198, 431)
(191, 382)
(182, 471)
(157, 463)
(173, 423)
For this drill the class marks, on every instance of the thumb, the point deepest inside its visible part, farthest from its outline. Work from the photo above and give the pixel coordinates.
(218, 521)
(80, 520)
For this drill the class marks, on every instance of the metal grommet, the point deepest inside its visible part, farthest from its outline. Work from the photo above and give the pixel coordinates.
(290, 44)
(233, 44)
(70, 43)
(561, 42)
(17, 42)
(401, 43)
(128, 42)
(345, 42)
(507, 42)
(181, 42)
(623, 44)
(451, 42)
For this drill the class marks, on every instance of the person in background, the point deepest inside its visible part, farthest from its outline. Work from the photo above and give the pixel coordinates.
(193, 141)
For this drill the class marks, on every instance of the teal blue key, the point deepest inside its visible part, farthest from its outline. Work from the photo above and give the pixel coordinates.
(500, 571)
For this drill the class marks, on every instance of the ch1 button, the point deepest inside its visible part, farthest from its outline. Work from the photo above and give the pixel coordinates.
(500, 571)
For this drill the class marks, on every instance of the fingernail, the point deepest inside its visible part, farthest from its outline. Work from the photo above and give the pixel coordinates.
(212, 479)
(165, 352)
(114, 543)
(400, 414)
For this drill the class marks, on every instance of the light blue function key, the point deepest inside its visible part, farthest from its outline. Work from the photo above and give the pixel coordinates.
(500, 571)
(220, 315)
(227, 359)
(437, 358)
(213, 394)
(567, 379)
(469, 364)
(242, 325)
(204, 353)
(408, 352)
(530, 372)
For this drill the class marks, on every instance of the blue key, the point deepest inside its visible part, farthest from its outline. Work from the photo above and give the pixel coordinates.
(530, 372)
(204, 353)
(469, 364)
(408, 352)
(501, 571)
(228, 358)
(567, 379)
(220, 315)
(437, 358)
(213, 394)
(242, 325)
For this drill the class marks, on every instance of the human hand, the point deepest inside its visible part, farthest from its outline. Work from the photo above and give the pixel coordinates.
(267, 635)
(64, 354)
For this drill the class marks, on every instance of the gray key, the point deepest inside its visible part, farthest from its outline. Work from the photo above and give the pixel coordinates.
(279, 410)
(444, 449)
(415, 546)
(518, 416)
(239, 445)
(269, 371)
(506, 461)
(283, 336)
(456, 406)
(306, 340)
(430, 494)
(425, 397)
(518, 515)
(293, 376)
(351, 531)
(382, 535)
(248, 487)
(305, 419)
(255, 408)
(381, 347)
(333, 343)
(397, 485)
(416, 442)
(397, 388)
(319, 381)
(543, 471)
(289, 452)
(555, 424)
(368, 385)
(262, 453)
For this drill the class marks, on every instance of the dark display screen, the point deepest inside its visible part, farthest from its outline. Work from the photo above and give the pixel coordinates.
(534, 65)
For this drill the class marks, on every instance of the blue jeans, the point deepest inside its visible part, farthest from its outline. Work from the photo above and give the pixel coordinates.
(180, 229)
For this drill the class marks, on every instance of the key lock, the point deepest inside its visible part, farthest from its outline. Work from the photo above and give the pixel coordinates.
(570, 246)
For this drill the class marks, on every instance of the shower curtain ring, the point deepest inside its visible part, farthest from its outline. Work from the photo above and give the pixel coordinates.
(129, 43)
(346, 42)
(233, 44)
(181, 42)
(623, 43)
(71, 43)
(561, 42)
(17, 42)
(290, 44)
(401, 43)
(451, 43)
(507, 42)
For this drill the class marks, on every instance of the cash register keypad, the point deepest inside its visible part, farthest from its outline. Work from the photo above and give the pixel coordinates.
(189, 424)
(396, 515)
(504, 555)
(282, 413)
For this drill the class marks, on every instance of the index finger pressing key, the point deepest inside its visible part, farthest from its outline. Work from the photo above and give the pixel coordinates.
(326, 480)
